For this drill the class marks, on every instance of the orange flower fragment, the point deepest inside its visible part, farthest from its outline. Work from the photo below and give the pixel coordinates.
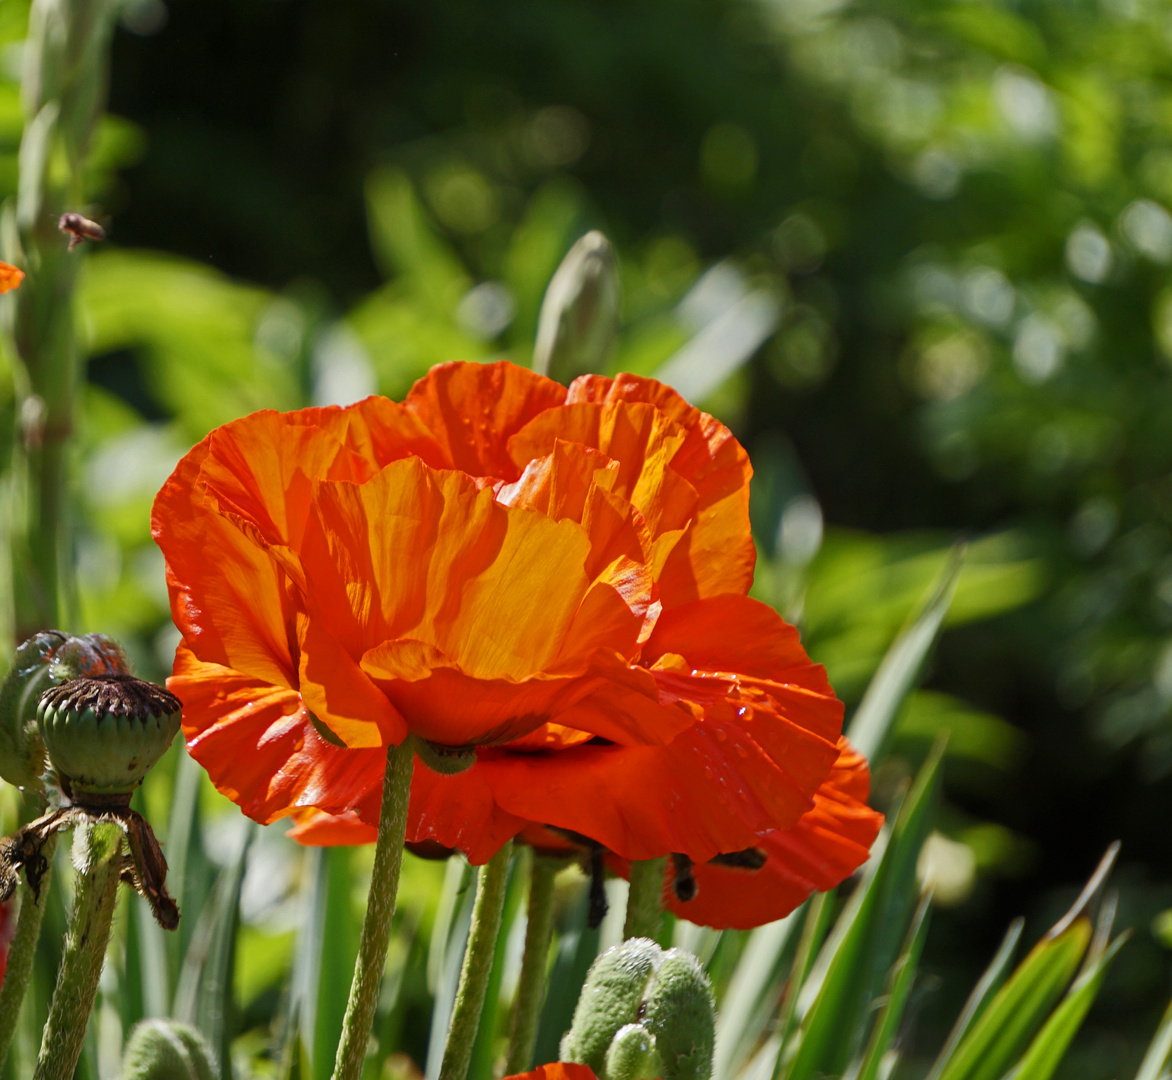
(10, 277)
(558, 1070)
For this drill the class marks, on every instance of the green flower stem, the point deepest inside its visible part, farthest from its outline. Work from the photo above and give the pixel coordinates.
(376, 925)
(23, 951)
(645, 900)
(85, 949)
(534, 962)
(64, 92)
(486, 925)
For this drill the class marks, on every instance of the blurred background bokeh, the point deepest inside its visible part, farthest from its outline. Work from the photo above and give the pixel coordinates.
(916, 253)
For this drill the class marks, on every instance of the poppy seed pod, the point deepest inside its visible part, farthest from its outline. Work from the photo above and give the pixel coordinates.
(104, 732)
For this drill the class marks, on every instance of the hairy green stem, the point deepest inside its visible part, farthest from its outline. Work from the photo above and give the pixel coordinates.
(23, 951)
(85, 949)
(380, 908)
(645, 900)
(534, 963)
(478, 956)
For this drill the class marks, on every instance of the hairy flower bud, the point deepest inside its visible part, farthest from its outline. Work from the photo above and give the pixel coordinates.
(644, 1013)
(104, 732)
(166, 1049)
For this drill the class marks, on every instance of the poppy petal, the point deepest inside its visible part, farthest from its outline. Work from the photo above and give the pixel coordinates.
(558, 1070)
(472, 409)
(825, 847)
(717, 555)
(259, 745)
(10, 277)
(234, 609)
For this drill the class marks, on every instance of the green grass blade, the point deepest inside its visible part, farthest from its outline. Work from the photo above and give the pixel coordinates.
(204, 996)
(989, 983)
(1020, 1006)
(1050, 1044)
(1155, 1062)
(852, 966)
(576, 952)
(450, 953)
(901, 666)
(749, 998)
(903, 975)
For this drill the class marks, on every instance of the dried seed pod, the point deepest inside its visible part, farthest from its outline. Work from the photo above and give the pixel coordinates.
(104, 732)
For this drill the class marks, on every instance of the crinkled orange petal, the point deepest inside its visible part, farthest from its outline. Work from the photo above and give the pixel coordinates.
(825, 847)
(258, 744)
(639, 437)
(472, 410)
(229, 596)
(742, 635)
(558, 1070)
(10, 277)
(717, 554)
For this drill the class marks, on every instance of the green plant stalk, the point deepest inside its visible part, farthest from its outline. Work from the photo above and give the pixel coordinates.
(380, 908)
(85, 949)
(64, 85)
(478, 956)
(534, 963)
(645, 900)
(23, 951)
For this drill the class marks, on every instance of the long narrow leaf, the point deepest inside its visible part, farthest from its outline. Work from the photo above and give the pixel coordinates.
(903, 976)
(901, 666)
(1050, 1044)
(748, 999)
(989, 983)
(1155, 1062)
(204, 996)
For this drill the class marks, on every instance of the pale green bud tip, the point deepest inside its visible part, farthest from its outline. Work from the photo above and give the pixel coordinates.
(610, 999)
(680, 1013)
(104, 732)
(167, 1050)
(632, 1055)
(578, 324)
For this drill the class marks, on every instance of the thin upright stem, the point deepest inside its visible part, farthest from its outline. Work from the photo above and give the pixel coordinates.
(534, 962)
(645, 900)
(478, 956)
(380, 908)
(85, 949)
(23, 951)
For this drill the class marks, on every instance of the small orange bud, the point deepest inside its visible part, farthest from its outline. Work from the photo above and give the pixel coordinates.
(10, 276)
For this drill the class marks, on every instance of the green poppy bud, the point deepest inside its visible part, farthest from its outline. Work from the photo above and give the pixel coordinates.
(679, 1011)
(167, 1050)
(578, 324)
(104, 732)
(632, 1055)
(45, 659)
(611, 999)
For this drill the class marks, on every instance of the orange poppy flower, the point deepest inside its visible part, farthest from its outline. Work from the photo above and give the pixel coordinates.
(10, 277)
(544, 530)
